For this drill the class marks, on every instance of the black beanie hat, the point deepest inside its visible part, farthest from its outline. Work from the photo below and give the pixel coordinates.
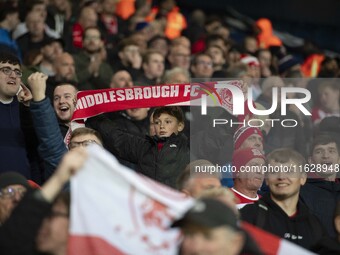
(12, 178)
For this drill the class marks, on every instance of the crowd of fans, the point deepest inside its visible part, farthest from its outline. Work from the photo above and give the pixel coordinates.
(50, 50)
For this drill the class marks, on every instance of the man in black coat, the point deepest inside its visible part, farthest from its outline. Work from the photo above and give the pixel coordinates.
(282, 212)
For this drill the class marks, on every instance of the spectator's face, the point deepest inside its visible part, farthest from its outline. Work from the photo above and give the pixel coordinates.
(92, 42)
(155, 67)
(161, 46)
(326, 155)
(58, 48)
(9, 84)
(9, 198)
(13, 20)
(253, 141)
(129, 52)
(64, 67)
(215, 241)
(203, 68)
(35, 24)
(180, 57)
(250, 44)
(53, 234)
(40, 9)
(197, 185)
(166, 125)
(216, 55)
(83, 141)
(121, 79)
(64, 102)
(253, 179)
(329, 99)
(265, 58)
(88, 18)
(285, 185)
(48, 52)
(138, 113)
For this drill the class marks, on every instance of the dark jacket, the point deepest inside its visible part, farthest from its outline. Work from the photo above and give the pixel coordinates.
(51, 143)
(304, 229)
(18, 233)
(12, 141)
(163, 166)
(321, 198)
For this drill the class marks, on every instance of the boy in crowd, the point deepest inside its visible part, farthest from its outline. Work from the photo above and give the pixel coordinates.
(161, 157)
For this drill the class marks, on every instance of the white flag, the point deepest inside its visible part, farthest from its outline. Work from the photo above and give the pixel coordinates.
(117, 211)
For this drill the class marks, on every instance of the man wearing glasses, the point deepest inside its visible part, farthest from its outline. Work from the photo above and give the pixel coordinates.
(12, 143)
(12, 188)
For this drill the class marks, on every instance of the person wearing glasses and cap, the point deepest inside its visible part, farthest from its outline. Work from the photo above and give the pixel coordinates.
(32, 213)
(12, 187)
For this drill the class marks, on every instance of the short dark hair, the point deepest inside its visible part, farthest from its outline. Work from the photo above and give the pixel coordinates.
(174, 111)
(323, 140)
(198, 55)
(6, 57)
(6, 8)
(147, 55)
(86, 131)
(126, 42)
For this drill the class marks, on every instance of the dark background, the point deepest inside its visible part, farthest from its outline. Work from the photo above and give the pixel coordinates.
(314, 20)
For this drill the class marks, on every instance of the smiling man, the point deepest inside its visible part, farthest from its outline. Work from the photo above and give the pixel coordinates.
(64, 103)
(282, 212)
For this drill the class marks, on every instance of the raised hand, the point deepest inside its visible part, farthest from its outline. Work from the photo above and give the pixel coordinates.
(24, 95)
(37, 83)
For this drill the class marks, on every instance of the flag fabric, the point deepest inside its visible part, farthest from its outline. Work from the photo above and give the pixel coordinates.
(117, 211)
(271, 244)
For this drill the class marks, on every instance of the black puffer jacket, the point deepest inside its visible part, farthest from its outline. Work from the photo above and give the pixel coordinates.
(304, 229)
(163, 166)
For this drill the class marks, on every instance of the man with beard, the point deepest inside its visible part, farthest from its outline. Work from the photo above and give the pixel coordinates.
(91, 67)
(281, 212)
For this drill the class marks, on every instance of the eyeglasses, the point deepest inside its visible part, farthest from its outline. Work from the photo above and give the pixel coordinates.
(8, 71)
(11, 192)
(85, 143)
(57, 214)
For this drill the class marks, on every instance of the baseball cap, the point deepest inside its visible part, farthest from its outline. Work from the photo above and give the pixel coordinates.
(209, 213)
(12, 178)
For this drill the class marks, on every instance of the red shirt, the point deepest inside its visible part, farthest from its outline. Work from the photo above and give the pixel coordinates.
(243, 199)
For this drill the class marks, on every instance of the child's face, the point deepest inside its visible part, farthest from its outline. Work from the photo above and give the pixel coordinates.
(166, 124)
